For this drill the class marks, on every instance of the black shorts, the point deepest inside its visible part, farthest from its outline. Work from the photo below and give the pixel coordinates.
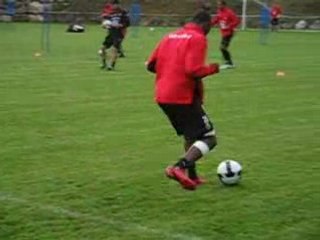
(113, 39)
(275, 21)
(225, 42)
(189, 120)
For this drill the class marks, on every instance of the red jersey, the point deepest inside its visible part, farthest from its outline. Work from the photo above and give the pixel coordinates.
(107, 10)
(179, 64)
(276, 11)
(227, 20)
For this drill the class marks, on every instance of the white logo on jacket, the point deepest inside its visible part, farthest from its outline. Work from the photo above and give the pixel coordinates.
(180, 36)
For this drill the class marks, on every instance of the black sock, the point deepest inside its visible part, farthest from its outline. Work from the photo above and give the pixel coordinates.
(192, 172)
(227, 56)
(189, 165)
(185, 164)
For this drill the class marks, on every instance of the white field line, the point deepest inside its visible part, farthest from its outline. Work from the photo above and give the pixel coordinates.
(4, 197)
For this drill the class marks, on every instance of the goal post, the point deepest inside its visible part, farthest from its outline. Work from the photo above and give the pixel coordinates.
(244, 15)
(252, 14)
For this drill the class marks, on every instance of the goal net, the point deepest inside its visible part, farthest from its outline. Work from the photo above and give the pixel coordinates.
(302, 15)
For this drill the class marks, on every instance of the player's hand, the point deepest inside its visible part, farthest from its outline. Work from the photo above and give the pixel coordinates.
(215, 68)
(235, 31)
(151, 66)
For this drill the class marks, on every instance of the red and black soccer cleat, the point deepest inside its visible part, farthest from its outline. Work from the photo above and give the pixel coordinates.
(199, 181)
(169, 173)
(180, 176)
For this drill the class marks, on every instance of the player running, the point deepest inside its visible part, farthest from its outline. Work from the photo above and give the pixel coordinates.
(126, 21)
(275, 13)
(179, 65)
(114, 22)
(227, 21)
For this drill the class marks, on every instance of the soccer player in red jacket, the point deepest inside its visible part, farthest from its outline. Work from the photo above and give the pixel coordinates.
(275, 13)
(227, 21)
(179, 64)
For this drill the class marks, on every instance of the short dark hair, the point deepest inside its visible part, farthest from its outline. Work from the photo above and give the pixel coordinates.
(201, 17)
(223, 2)
(206, 7)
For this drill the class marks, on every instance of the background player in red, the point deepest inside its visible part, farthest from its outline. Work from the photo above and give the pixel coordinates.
(179, 65)
(227, 21)
(107, 9)
(276, 11)
(126, 24)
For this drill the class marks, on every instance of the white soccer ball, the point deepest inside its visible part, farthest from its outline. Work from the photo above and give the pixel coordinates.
(229, 172)
(106, 23)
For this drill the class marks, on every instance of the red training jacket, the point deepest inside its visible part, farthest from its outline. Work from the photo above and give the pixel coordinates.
(179, 64)
(276, 11)
(227, 20)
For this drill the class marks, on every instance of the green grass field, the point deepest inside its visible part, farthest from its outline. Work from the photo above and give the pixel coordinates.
(83, 150)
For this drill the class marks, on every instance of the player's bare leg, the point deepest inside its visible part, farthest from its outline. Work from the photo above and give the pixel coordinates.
(103, 55)
(194, 152)
(113, 58)
(192, 172)
(227, 58)
(121, 52)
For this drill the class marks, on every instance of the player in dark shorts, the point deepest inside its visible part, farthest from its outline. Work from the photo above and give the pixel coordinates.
(114, 22)
(225, 41)
(126, 24)
(179, 93)
(227, 20)
(113, 39)
(189, 121)
(275, 21)
(275, 12)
